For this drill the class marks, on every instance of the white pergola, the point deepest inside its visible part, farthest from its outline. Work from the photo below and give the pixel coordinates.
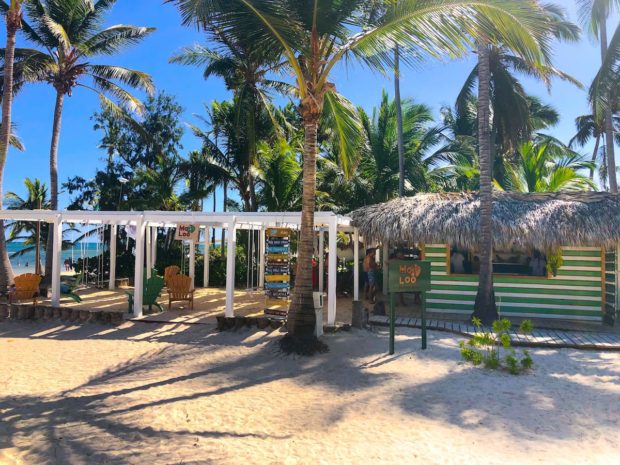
(147, 222)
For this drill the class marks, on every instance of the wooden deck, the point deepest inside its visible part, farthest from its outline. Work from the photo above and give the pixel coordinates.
(554, 338)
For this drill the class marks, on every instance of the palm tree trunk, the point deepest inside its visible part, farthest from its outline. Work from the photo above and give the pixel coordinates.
(13, 22)
(597, 145)
(484, 307)
(60, 97)
(608, 116)
(302, 318)
(399, 124)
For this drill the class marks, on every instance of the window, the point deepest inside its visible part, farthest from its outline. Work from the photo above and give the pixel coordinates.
(513, 261)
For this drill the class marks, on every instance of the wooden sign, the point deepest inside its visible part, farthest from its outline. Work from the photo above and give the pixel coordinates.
(187, 232)
(409, 276)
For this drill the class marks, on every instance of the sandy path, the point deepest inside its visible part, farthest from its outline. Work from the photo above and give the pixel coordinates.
(178, 394)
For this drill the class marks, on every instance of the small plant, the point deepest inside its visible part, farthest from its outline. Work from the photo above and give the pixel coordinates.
(554, 262)
(486, 348)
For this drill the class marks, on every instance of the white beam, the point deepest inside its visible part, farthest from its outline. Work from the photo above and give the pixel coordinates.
(385, 257)
(139, 269)
(321, 261)
(113, 234)
(331, 273)
(149, 256)
(356, 265)
(261, 258)
(230, 269)
(205, 272)
(56, 251)
(192, 263)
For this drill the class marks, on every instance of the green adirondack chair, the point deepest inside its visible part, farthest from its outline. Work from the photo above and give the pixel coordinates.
(150, 294)
(68, 290)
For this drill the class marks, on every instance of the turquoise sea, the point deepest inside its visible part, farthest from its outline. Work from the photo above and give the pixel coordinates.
(24, 263)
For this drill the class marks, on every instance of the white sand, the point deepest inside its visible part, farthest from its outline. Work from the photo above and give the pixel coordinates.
(178, 394)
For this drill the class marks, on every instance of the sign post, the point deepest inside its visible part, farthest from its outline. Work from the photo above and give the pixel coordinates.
(408, 276)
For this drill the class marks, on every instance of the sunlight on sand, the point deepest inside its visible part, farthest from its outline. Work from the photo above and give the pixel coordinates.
(173, 393)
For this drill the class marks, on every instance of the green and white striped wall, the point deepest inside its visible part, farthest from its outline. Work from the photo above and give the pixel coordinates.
(576, 293)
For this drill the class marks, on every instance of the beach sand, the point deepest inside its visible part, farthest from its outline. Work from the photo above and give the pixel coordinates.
(183, 394)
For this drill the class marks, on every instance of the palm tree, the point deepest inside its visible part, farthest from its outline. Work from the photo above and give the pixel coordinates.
(537, 63)
(594, 15)
(68, 32)
(280, 177)
(382, 166)
(33, 235)
(591, 127)
(13, 23)
(547, 165)
(202, 176)
(314, 37)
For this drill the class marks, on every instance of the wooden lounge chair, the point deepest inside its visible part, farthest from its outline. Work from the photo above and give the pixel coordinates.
(179, 290)
(170, 271)
(26, 288)
(150, 294)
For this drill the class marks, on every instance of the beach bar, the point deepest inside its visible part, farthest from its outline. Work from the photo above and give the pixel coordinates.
(579, 231)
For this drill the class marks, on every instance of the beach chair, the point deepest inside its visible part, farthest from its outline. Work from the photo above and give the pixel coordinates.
(170, 271)
(180, 290)
(68, 290)
(26, 288)
(151, 292)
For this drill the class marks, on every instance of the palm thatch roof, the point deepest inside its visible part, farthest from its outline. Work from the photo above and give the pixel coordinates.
(541, 221)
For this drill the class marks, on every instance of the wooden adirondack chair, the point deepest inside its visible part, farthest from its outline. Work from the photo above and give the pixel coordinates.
(151, 292)
(170, 271)
(179, 290)
(26, 288)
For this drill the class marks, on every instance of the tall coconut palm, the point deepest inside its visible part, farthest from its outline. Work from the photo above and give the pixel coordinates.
(69, 36)
(13, 22)
(594, 14)
(555, 26)
(315, 37)
(591, 127)
(248, 73)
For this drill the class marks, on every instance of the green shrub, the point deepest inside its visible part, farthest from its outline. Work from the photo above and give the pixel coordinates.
(485, 348)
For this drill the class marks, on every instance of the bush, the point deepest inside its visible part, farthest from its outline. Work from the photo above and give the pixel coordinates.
(486, 347)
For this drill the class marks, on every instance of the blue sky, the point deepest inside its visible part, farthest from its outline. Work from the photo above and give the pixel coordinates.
(433, 83)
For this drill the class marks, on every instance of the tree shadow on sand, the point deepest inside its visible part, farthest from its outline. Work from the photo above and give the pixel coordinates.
(100, 421)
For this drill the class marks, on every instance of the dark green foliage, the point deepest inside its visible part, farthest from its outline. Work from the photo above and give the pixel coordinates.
(485, 347)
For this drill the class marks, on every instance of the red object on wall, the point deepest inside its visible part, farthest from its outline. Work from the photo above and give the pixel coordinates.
(315, 274)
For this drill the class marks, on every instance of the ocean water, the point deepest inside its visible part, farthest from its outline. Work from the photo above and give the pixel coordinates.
(25, 263)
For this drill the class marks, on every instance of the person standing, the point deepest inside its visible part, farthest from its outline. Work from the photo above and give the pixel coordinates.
(370, 268)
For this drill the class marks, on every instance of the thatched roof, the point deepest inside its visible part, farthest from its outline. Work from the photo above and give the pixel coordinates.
(542, 221)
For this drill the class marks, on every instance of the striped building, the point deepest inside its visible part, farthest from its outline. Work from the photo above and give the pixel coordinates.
(583, 227)
(576, 293)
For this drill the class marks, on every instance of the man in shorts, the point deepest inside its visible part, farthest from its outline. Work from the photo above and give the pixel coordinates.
(370, 268)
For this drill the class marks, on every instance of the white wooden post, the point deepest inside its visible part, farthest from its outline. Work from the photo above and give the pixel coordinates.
(261, 258)
(230, 269)
(205, 271)
(113, 233)
(356, 265)
(385, 256)
(321, 261)
(149, 251)
(56, 251)
(154, 247)
(192, 262)
(139, 268)
(331, 272)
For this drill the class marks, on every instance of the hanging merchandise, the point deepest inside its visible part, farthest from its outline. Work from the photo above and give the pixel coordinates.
(277, 272)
